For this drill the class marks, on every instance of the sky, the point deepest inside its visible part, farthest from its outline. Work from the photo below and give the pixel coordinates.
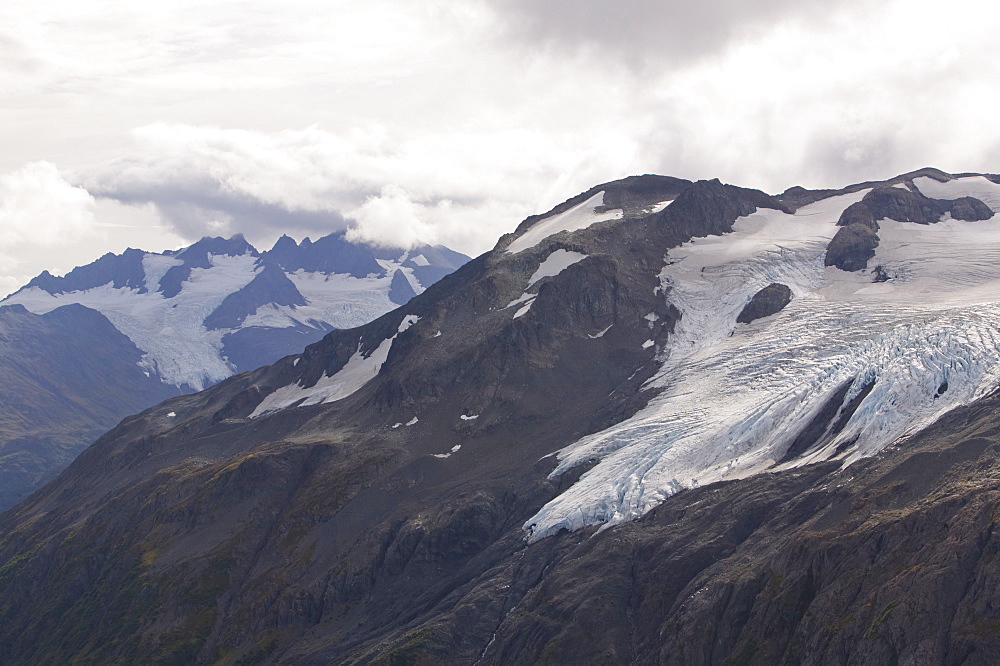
(449, 121)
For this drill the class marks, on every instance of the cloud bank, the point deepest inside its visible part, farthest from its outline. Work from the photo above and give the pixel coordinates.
(460, 189)
(451, 120)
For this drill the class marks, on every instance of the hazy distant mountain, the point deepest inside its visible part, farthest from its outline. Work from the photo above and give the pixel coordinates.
(126, 331)
(665, 422)
(65, 377)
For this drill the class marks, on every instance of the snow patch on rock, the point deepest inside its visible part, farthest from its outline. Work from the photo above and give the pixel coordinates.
(555, 264)
(524, 308)
(600, 334)
(576, 218)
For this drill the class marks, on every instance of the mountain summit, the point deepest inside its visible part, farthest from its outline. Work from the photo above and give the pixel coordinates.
(666, 421)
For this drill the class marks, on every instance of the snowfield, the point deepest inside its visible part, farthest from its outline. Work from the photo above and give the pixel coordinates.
(735, 396)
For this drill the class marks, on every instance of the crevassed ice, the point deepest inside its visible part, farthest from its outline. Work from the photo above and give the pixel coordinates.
(734, 396)
(358, 371)
(578, 217)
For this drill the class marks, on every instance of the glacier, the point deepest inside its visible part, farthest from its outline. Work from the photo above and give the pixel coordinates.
(732, 398)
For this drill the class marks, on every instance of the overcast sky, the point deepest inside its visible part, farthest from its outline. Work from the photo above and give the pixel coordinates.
(449, 121)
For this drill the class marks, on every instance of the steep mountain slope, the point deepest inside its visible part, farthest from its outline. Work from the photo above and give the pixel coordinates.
(58, 398)
(493, 472)
(113, 337)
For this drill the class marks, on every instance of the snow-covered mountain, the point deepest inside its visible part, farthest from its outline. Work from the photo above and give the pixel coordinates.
(113, 337)
(217, 307)
(664, 422)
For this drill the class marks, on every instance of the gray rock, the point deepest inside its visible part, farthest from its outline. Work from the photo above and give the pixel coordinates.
(851, 247)
(766, 302)
(970, 209)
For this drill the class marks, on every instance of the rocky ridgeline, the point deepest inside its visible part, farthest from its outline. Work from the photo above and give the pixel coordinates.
(857, 238)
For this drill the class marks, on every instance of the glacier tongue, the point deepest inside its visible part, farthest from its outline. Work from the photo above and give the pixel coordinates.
(734, 397)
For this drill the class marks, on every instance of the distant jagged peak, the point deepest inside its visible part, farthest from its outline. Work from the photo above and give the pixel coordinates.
(199, 255)
(196, 254)
(334, 253)
(120, 270)
(330, 254)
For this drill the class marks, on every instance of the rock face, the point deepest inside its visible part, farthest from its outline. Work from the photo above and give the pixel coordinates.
(852, 247)
(766, 302)
(970, 209)
(368, 500)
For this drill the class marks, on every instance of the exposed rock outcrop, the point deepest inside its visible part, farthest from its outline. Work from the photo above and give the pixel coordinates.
(766, 302)
(851, 247)
(855, 242)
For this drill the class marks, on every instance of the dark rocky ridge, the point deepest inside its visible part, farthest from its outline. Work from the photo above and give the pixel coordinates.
(326, 535)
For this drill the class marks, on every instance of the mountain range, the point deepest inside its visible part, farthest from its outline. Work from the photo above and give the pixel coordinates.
(111, 338)
(665, 422)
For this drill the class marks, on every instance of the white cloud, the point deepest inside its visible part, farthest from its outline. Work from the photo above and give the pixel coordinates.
(904, 86)
(46, 223)
(391, 218)
(462, 189)
(38, 207)
(464, 116)
(649, 34)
